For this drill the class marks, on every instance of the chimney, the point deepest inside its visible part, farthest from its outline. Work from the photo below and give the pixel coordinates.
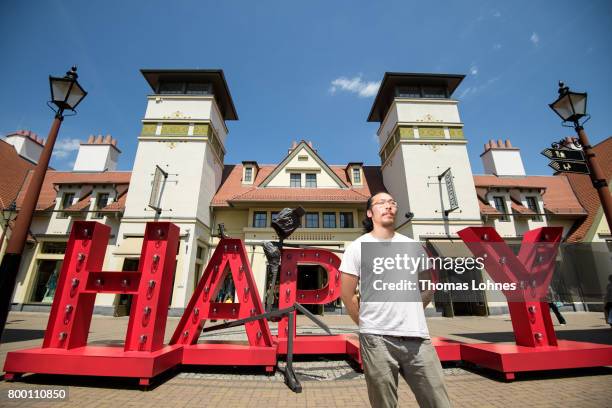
(293, 146)
(27, 144)
(501, 159)
(97, 154)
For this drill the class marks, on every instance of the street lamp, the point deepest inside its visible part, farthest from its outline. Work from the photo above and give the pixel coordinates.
(66, 94)
(571, 107)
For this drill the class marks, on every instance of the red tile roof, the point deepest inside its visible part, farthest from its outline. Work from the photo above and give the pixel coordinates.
(48, 194)
(587, 195)
(233, 191)
(12, 175)
(558, 195)
(520, 209)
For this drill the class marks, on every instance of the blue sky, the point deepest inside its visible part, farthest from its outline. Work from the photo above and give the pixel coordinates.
(308, 70)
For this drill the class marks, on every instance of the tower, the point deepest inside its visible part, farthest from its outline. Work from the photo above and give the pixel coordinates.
(423, 154)
(178, 165)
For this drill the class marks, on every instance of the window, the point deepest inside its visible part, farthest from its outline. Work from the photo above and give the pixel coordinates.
(434, 92)
(302, 158)
(198, 89)
(500, 205)
(409, 92)
(346, 220)
(312, 220)
(171, 88)
(248, 174)
(329, 220)
(274, 215)
(67, 200)
(295, 180)
(200, 252)
(311, 180)
(532, 204)
(101, 202)
(50, 247)
(356, 176)
(260, 219)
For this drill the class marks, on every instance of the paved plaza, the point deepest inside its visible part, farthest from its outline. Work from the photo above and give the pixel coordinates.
(326, 382)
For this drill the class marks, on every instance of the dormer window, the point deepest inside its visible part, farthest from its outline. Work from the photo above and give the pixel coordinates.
(356, 175)
(67, 200)
(532, 204)
(295, 180)
(311, 180)
(248, 174)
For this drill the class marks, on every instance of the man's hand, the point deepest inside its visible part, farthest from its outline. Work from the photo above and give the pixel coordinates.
(349, 297)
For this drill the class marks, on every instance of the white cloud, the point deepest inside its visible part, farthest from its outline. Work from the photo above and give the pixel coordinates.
(474, 69)
(497, 13)
(535, 38)
(473, 90)
(356, 85)
(64, 147)
(497, 46)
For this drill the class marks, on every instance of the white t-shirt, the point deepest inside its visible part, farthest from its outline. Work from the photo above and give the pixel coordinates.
(385, 318)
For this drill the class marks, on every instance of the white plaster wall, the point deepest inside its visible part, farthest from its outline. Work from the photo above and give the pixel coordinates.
(503, 162)
(165, 107)
(25, 147)
(282, 179)
(394, 179)
(93, 157)
(184, 161)
(423, 163)
(417, 110)
(388, 124)
(209, 182)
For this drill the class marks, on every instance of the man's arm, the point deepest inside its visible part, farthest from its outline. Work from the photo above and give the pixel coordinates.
(349, 297)
(426, 295)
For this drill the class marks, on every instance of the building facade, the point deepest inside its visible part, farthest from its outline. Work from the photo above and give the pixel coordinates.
(179, 175)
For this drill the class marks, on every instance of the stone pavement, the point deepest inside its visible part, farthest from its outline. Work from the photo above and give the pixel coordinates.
(326, 382)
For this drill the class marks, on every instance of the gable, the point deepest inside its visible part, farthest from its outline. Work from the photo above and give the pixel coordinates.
(303, 160)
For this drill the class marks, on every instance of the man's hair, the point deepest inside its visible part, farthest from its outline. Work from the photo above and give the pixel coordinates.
(367, 223)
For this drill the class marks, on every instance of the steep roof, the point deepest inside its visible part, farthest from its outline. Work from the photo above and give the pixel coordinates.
(233, 191)
(587, 195)
(557, 193)
(13, 173)
(48, 194)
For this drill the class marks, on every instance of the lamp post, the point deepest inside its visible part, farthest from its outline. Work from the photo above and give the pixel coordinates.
(571, 107)
(66, 93)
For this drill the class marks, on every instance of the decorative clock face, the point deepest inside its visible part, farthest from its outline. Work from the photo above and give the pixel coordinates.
(170, 145)
(434, 147)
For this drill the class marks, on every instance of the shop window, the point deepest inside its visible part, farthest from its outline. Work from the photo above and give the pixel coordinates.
(47, 274)
(53, 247)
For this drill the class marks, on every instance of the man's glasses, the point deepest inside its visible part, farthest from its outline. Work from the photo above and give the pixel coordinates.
(381, 203)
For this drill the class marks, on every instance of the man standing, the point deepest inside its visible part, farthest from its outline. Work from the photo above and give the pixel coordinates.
(393, 335)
